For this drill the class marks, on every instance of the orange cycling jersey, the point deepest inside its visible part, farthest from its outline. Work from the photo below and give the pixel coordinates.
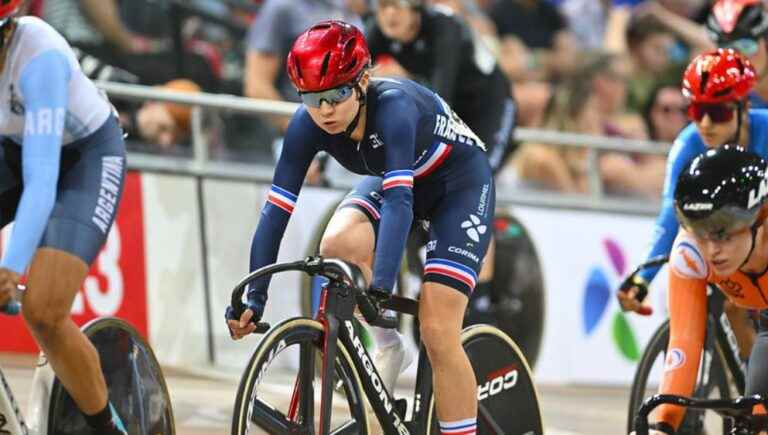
(689, 275)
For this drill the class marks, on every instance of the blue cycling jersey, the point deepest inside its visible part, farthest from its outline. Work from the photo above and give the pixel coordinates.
(412, 137)
(757, 102)
(687, 146)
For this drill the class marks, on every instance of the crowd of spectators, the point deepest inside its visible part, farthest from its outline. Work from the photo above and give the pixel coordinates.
(603, 67)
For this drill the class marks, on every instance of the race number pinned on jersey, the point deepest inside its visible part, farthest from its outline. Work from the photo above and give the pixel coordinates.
(687, 261)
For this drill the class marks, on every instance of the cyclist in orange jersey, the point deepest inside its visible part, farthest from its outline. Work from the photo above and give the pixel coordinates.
(720, 204)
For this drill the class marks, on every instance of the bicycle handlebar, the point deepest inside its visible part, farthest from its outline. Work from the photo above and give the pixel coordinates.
(629, 281)
(739, 407)
(370, 303)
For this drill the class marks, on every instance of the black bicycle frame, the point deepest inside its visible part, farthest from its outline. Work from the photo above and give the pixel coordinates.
(739, 410)
(722, 331)
(336, 313)
(338, 302)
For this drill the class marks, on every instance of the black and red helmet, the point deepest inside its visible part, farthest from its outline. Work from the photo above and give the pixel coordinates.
(731, 20)
(719, 76)
(327, 55)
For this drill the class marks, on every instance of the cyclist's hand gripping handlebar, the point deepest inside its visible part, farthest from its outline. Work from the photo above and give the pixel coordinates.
(13, 307)
(370, 303)
(634, 280)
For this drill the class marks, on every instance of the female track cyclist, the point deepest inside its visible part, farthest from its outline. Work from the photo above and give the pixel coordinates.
(423, 163)
(720, 201)
(717, 85)
(62, 166)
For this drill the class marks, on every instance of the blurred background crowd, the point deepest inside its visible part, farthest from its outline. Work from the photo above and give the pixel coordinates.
(602, 67)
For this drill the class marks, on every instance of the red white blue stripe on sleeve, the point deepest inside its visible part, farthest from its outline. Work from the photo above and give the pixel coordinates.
(461, 427)
(403, 177)
(282, 198)
(372, 209)
(434, 157)
(451, 269)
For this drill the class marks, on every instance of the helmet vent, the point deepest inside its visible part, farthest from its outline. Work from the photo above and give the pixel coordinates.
(297, 67)
(703, 82)
(350, 66)
(723, 92)
(741, 65)
(324, 68)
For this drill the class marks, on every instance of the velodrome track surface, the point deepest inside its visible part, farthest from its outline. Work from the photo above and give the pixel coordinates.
(203, 404)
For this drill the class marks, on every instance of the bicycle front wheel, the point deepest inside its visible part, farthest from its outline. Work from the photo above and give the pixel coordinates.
(711, 383)
(134, 380)
(279, 391)
(507, 400)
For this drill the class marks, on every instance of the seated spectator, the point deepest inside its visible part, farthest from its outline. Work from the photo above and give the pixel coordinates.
(131, 35)
(608, 75)
(665, 112)
(572, 108)
(575, 108)
(163, 126)
(649, 45)
(535, 42)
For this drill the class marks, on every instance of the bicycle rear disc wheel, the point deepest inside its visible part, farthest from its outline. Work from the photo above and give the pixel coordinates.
(279, 391)
(507, 399)
(711, 383)
(516, 300)
(134, 379)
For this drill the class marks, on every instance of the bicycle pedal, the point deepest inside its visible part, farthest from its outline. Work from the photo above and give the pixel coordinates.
(401, 405)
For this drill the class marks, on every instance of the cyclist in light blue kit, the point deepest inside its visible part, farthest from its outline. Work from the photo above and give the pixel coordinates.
(422, 161)
(62, 166)
(717, 85)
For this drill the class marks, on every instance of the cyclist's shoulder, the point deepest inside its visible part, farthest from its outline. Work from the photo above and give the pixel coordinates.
(686, 259)
(758, 119)
(687, 144)
(35, 37)
(396, 97)
(33, 31)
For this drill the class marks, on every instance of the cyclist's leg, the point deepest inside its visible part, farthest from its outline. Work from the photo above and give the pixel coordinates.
(86, 203)
(461, 230)
(743, 327)
(351, 232)
(441, 314)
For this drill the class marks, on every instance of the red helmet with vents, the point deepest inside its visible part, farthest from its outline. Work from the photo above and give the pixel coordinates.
(719, 76)
(327, 55)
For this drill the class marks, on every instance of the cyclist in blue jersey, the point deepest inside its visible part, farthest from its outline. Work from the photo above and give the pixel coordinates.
(743, 26)
(717, 85)
(422, 161)
(62, 165)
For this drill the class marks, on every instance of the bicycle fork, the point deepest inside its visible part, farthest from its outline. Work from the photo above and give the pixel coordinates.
(302, 399)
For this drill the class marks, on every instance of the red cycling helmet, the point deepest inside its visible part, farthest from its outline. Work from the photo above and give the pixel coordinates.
(719, 76)
(327, 55)
(731, 20)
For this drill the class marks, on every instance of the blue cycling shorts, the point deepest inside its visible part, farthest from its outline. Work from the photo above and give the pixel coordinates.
(90, 185)
(460, 216)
